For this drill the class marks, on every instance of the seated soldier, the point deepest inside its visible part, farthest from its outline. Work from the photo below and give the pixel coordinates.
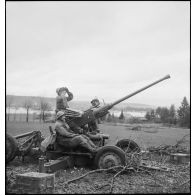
(66, 137)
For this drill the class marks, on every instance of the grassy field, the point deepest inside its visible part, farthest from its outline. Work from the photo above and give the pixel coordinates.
(149, 135)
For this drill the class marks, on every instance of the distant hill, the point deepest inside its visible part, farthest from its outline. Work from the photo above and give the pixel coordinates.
(80, 105)
(133, 107)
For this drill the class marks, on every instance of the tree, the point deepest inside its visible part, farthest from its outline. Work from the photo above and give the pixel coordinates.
(122, 117)
(150, 115)
(147, 116)
(44, 106)
(163, 114)
(158, 112)
(184, 115)
(27, 105)
(109, 117)
(172, 115)
(9, 104)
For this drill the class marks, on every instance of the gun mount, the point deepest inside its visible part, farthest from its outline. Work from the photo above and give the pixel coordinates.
(91, 115)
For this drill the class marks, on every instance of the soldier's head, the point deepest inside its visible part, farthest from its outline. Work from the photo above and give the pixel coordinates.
(95, 102)
(62, 91)
(60, 116)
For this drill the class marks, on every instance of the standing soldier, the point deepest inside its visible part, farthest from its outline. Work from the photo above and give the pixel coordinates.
(62, 105)
(93, 125)
(61, 99)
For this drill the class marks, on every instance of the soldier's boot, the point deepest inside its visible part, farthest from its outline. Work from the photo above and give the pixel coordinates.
(89, 147)
(89, 141)
(92, 144)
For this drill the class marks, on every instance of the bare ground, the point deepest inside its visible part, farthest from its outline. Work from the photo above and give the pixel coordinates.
(177, 180)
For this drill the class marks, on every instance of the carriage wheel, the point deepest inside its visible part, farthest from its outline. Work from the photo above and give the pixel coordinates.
(11, 148)
(128, 146)
(109, 156)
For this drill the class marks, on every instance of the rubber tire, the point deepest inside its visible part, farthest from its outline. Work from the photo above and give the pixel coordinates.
(13, 148)
(125, 142)
(105, 149)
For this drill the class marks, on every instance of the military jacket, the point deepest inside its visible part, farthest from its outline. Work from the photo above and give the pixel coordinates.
(62, 129)
(62, 101)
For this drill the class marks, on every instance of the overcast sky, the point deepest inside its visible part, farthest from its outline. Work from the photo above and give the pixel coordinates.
(99, 49)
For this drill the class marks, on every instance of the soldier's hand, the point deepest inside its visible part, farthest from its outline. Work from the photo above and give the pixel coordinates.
(66, 89)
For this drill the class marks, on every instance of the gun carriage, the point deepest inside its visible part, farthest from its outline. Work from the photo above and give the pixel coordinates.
(106, 156)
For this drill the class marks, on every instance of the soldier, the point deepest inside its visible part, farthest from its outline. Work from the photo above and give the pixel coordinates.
(67, 138)
(95, 103)
(61, 99)
(62, 105)
(93, 125)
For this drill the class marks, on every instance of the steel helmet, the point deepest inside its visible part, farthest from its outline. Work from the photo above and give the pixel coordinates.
(62, 89)
(59, 114)
(95, 100)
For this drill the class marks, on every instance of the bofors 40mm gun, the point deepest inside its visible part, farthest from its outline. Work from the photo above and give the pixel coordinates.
(106, 156)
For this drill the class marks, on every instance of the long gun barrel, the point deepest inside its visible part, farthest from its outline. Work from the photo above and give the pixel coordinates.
(138, 91)
(109, 106)
(90, 115)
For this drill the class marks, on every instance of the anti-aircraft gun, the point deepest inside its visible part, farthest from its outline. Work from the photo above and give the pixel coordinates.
(91, 115)
(106, 156)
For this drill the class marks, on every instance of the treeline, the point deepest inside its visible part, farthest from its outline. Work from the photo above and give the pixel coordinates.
(43, 106)
(111, 118)
(131, 108)
(181, 116)
(171, 116)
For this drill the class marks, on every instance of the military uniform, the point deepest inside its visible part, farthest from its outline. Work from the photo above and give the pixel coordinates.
(62, 102)
(93, 125)
(62, 105)
(66, 137)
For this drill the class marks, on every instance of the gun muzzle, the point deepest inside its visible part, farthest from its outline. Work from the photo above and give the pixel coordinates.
(167, 76)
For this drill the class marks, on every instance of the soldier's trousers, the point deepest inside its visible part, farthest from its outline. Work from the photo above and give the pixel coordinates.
(79, 140)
